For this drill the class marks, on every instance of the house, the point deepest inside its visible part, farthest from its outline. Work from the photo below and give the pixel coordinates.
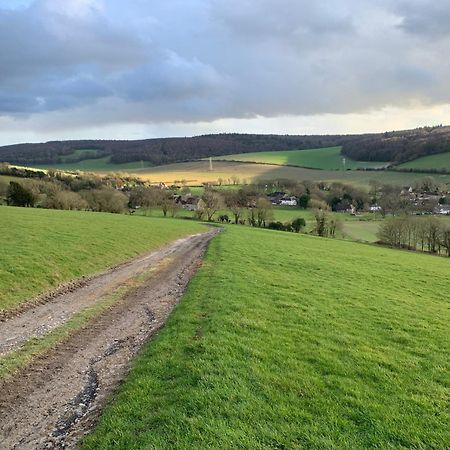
(288, 201)
(188, 201)
(276, 197)
(443, 210)
(406, 190)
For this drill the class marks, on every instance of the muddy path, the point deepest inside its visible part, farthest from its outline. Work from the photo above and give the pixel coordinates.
(57, 399)
(55, 308)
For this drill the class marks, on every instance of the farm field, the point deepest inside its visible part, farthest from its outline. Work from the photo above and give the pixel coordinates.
(328, 158)
(439, 161)
(96, 165)
(365, 231)
(197, 172)
(49, 247)
(277, 346)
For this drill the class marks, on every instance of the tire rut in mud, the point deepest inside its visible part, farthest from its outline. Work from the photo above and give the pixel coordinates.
(56, 400)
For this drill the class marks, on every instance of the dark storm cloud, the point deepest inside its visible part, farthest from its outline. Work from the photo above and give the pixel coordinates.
(429, 19)
(200, 60)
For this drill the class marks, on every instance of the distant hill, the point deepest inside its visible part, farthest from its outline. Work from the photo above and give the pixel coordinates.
(159, 151)
(398, 146)
(395, 147)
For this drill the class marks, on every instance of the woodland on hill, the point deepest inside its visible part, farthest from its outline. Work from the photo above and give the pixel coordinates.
(394, 147)
(398, 146)
(161, 151)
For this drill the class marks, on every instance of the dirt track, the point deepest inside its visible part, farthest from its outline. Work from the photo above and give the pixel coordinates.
(58, 398)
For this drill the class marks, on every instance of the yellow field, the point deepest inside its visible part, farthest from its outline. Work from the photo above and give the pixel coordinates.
(198, 172)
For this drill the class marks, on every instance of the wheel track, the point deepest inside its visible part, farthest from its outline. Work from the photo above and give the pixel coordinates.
(56, 400)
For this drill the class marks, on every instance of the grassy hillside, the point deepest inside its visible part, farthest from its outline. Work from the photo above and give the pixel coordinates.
(439, 161)
(365, 231)
(329, 158)
(96, 165)
(275, 345)
(48, 247)
(198, 172)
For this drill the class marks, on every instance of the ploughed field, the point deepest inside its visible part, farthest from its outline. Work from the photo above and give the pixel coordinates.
(293, 341)
(43, 248)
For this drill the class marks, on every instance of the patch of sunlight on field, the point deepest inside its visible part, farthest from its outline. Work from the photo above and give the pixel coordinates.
(198, 172)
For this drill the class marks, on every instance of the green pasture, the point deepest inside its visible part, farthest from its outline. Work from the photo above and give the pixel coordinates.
(288, 341)
(438, 162)
(328, 158)
(96, 165)
(43, 248)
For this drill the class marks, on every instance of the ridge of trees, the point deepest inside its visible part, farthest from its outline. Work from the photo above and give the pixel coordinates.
(398, 146)
(161, 150)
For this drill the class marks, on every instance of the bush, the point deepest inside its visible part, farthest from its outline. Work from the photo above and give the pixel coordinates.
(17, 195)
(298, 224)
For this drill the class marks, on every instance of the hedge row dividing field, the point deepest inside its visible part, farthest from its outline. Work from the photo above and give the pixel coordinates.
(286, 341)
(43, 248)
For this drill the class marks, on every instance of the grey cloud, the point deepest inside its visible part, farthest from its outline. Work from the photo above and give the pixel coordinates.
(430, 19)
(201, 60)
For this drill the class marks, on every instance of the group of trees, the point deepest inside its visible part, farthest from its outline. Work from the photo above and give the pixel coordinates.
(294, 226)
(54, 196)
(246, 206)
(326, 225)
(398, 146)
(415, 233)
(57, 190)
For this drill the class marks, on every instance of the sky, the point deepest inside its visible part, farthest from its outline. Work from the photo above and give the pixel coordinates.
(109, 69)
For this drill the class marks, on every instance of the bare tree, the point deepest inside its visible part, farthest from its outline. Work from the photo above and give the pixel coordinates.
(165, 201)
(445, 239)
(264, 211)
(212, 201)
(235, 202)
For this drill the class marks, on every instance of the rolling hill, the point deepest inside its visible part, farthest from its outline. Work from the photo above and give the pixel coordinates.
(157, 151)
(277, 346)
(389, 147)
(328, 158)
(441, 161)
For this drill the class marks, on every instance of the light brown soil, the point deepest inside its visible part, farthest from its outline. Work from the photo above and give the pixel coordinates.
(57, 399)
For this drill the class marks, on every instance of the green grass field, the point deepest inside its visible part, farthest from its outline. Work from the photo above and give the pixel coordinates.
(287, 342)
(96, 165)
(48, 247)
(328, 158)
(439, 161)
(365, 231)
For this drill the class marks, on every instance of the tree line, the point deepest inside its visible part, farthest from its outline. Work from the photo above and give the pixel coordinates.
(413, 233)
(58, 190)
